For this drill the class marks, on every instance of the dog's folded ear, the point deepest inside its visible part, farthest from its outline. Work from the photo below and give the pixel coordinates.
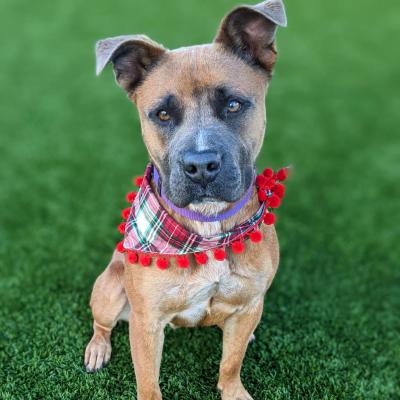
(132, 57)
(249, 31)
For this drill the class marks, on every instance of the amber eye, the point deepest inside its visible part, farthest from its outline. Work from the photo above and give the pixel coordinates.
(233, 106)
(163, 115)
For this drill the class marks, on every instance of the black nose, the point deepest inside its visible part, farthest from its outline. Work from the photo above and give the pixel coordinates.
(201, 168)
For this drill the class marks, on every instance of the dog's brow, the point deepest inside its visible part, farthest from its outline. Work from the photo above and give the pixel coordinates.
(233, 92)
(163, 101)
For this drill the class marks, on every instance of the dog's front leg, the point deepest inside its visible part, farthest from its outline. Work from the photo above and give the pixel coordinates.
(237, 331)
(146, 334)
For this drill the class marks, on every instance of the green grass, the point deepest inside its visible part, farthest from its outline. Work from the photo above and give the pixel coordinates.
(71, 142)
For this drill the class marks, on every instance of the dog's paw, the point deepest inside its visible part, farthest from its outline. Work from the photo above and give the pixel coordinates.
(234, 392)
(98, 353)
(252, 338)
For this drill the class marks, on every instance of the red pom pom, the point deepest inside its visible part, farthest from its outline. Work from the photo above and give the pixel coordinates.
(132, 257)
(261, 180)
(279, 189)
(125, 212)
(201, 258)
(145, 260)
(162, 262)
(282, 174)
(269, 218)
(130, 197)
(262, 196)
(268, 172)
(237, 247)
(270, 183)
(183, 261)
(219, 254)
(274, 201)
(120, 247)
(139, 181)
(256, 236)
(121, 227)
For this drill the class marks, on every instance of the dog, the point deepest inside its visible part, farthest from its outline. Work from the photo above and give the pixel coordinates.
(203, 120)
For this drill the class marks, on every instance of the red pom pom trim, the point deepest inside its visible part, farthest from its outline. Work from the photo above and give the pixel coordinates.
(121, 227)
(201, 258)
(145, 260)
(274, 201)
(183, 261)
(162, 262)
(120, 247)
(219, 254)
(270, 183)
(268, 172)
(262, 196)
(279, 189)
(255, 236)
(282, 174)
(269, 218)
(261, 180)
(132, 257)
(125, 212)
(237, 247)
(130, 197)
(139, 181)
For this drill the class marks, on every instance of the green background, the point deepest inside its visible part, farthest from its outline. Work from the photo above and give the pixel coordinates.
(70, 142)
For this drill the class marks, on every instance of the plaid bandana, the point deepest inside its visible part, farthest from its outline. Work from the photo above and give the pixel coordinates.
(150, 231)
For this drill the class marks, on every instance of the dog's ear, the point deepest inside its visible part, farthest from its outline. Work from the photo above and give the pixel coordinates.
(132, 57)
(249, 31)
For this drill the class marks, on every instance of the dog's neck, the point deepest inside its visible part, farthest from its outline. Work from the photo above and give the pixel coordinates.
(213, 208)
(208, 208)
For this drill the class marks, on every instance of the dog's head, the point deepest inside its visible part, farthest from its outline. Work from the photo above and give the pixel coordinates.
(202, 108)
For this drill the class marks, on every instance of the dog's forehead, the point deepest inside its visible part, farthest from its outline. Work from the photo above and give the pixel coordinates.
(185, 71)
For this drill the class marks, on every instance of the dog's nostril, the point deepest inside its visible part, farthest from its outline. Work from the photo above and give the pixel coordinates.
(190, 169)
(212, 166)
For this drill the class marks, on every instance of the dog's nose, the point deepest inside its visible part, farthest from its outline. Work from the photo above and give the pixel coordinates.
(201, 168)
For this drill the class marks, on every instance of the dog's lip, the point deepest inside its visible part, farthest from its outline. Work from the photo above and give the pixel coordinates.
(205, 199)
(211, 198)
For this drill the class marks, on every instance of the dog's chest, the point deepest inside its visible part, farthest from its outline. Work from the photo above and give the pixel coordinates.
(210, 286)
(200, 290)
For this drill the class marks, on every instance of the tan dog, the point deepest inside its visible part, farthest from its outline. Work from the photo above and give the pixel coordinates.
(202, 113)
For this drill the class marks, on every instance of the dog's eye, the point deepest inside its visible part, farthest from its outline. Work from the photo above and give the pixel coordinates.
(163, 115)
(233, 106)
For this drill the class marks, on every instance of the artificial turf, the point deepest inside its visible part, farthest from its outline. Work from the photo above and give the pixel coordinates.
(70, 144)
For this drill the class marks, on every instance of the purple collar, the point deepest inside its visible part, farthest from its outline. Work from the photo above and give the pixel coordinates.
(196, 216)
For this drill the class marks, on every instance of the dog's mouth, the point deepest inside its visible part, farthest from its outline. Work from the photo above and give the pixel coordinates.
(224, 190)
(205, 200)
(184, 197)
